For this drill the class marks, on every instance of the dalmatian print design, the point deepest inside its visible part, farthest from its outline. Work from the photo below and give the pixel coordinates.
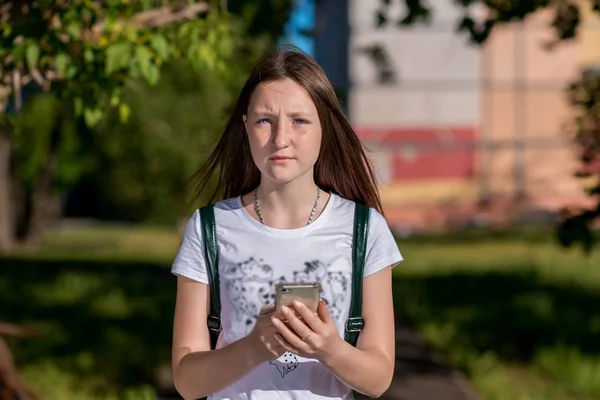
(249, 286)
(285, 364)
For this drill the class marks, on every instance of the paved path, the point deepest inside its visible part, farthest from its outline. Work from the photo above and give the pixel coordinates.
(421, 373)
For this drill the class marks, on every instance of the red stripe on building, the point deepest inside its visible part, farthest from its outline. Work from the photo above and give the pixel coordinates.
(426, 153)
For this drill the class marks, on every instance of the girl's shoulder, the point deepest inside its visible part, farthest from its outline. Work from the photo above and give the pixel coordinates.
(230, 204)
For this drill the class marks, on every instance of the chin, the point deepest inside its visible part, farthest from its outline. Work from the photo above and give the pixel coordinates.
(282, 179)
(282, 176)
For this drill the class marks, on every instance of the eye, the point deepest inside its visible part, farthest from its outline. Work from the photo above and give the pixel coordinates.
(301, 121)
(264, 120)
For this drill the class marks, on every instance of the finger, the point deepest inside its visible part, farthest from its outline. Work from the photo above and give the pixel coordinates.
(296, 323)
(323, 313)
(267, 319)
(285, 345)
(279, 314)
(312, 320)
(290, 336)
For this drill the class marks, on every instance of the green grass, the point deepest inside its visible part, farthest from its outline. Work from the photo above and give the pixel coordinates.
(512, 310)
(104, 299)
(517, 314)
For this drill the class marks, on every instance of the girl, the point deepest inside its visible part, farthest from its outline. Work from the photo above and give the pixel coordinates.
(290, 168)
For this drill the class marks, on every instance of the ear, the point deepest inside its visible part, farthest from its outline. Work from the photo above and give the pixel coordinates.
(244, 118)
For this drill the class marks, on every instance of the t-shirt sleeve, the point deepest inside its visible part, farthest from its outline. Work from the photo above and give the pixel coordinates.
(189, 261)
(382, 249)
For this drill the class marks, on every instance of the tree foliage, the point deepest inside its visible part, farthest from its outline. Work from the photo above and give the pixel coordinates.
(140, 169)
(567, 15)
(584, 96)
(88, 51)
(87, 56)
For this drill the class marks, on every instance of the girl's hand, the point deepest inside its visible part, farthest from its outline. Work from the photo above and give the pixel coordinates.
(307, 334)
(261, 341)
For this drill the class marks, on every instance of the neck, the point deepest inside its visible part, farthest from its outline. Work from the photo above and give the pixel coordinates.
(289, 205)
(287, 197)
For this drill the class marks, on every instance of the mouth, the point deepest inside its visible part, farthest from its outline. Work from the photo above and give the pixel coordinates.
(280, 158)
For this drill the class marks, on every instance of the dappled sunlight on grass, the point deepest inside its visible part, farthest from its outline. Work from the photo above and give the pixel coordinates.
(107, 243)
(518, 315)
(546, 259)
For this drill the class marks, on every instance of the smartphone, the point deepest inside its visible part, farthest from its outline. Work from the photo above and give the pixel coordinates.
(308, 294)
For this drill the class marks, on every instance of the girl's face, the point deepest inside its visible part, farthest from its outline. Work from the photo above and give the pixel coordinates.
(284, 130)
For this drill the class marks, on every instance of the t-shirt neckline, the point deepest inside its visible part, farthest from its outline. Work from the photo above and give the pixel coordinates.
(301, 231)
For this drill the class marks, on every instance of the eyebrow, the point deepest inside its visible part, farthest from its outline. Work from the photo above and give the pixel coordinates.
(293, 114)
(296, 114)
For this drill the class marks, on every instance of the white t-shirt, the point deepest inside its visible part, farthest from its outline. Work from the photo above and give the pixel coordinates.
(254, 257)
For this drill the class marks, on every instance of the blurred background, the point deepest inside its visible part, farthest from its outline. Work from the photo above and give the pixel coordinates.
(482, 119)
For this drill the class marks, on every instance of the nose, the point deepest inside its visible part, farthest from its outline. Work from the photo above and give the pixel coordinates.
(280, 136)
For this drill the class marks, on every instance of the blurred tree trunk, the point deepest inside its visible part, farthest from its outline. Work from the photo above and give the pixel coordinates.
(7, 222)
(42, 198)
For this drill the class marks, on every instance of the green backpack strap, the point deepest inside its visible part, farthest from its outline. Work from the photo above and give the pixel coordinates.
(355, 322)
(211, 257)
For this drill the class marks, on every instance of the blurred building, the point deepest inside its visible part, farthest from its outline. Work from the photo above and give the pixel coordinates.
(449, 123)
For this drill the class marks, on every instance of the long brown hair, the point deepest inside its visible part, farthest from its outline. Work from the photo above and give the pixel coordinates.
(342, 166)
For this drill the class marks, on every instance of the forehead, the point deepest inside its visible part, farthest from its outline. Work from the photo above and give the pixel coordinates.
(285, 93)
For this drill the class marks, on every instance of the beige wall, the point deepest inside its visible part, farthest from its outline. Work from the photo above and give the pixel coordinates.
(522, 95)
(511, 88)
(430, 61)
(526, 99)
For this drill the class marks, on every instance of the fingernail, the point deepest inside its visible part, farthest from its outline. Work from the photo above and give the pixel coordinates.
(297, 303)
(275, 320)
(285, 309)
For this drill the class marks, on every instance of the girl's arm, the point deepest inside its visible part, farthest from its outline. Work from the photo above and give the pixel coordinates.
(198, 371)
(368, 368)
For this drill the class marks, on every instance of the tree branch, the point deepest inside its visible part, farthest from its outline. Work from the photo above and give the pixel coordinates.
(161, 16)
(17, 84)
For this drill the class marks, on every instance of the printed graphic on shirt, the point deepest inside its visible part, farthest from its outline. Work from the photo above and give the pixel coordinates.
(334, 284)
(286, 363)
(249, 286)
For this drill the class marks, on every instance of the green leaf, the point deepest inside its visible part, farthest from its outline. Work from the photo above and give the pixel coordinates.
(88, 55)
(71, 71)
(92, 116)
(160, 45)
(124, 112)
(118, 56)
(78, 104)
(6, 29)
(153, 75)
(115, 99)
(74, 29)
(142, 55)
(18, 52)
(147, 3)
(184, 30)
(32, 54)
(207, 54)
(134, 69)
(61, 61)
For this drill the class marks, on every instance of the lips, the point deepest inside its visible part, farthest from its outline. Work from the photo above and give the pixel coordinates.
(280, 158)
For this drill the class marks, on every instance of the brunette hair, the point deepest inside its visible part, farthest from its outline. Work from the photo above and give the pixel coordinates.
(342, 166)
